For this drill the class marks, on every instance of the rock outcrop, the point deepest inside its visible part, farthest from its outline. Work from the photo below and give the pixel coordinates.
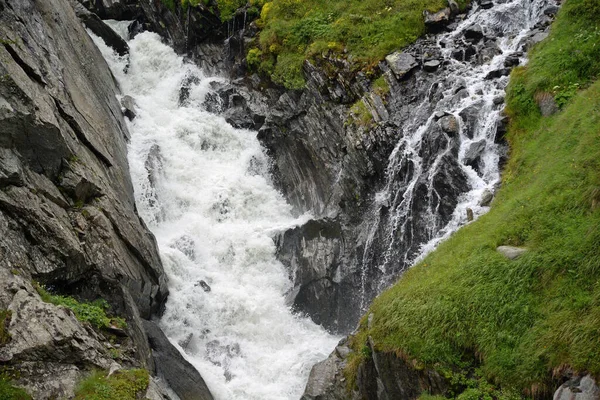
(67, 212)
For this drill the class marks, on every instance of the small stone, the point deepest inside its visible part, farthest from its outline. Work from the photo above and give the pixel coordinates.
(486, 198)
(497, 73)
(439, 114)
(128, 104)
(203, 285)
(469, 215)
(511, 252)
(449, 124)
(486, 4)
(431, 66)
(546, 103)
(498, 100)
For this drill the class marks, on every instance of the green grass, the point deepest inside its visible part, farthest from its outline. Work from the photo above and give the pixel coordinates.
(466, 308)
(10, 392)
(94, 313)
(361, 31)
(122, 385)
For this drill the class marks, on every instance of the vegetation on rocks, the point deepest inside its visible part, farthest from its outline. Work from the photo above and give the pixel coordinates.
(94, 313)
(361, 31)
(121, 385)
(5, 316)
(518, 324)
(10, 392)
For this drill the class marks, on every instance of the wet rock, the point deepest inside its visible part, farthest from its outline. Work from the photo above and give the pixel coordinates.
(474, 33)
(486, 198)
(187, 246)
(501, 129)
(401, 64)
(454, 8)
(469, 116)
(578, 388)
(497, 73)
(449, 124)
(470, 216)
(327, 381)
(431, 66)
(96, 25)
(181, 376)
(128, 104)
(486, 4)
(512, 60)
(532, 39)
(498, 100)
(511, 252)
(203, 285)
(551, 10)
(473, 154)
(488, 52)
(436, 22)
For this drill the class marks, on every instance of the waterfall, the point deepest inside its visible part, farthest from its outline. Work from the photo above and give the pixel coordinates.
(407, 219)
(204, 190)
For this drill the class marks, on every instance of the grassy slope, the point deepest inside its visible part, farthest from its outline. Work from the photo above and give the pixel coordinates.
(295, 30)
(465, 305)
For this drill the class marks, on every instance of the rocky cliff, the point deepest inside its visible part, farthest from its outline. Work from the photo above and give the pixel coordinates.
(67, 214)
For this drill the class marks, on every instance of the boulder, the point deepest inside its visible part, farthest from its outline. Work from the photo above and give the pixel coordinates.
(473, 154)
(497, 73)
(449, 124)
(578, 388)
(98, 27)
(432, 65)
(486, 198)
(486, 4)
(436, 22)
(401, 64)
(171, 366)
(474, 33)
(511, 252)
(128, 104)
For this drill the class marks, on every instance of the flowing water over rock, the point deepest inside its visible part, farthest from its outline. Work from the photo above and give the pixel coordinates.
(204, 190)
(447, 163)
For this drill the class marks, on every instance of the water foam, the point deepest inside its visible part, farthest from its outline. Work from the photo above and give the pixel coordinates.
(204, 191)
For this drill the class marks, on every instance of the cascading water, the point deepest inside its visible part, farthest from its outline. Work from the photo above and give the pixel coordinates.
(203, 189)
(431, 167)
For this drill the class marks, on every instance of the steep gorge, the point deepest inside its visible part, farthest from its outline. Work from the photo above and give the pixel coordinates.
(375, 171)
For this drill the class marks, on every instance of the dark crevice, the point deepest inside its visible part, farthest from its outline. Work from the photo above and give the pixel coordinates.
(80, 135)
(24, 66)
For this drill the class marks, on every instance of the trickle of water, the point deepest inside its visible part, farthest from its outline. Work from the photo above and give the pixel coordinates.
(397, 235)
(204, 191)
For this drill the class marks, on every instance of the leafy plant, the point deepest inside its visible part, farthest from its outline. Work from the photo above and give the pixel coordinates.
(10, 392)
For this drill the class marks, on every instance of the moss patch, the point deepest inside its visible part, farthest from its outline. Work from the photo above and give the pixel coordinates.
(122, 385)
(518, 323)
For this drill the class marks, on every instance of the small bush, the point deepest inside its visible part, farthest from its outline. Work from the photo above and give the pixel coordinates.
(122, 385)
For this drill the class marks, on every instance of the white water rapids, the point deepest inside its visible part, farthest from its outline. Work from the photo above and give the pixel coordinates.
(213, 210)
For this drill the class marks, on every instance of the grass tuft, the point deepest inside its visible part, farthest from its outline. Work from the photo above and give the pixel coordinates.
(122, 385)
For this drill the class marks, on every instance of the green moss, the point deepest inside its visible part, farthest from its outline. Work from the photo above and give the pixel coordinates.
(5, 317)
(367, 29)
(360, 114)
(466, 307)
(122, 385)
(380, 86)
(94, 313)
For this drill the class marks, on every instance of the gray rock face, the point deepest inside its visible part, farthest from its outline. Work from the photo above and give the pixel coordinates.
(578, 388)
(182, 377)
(511, 252)
(67, 212)
(401, 63)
